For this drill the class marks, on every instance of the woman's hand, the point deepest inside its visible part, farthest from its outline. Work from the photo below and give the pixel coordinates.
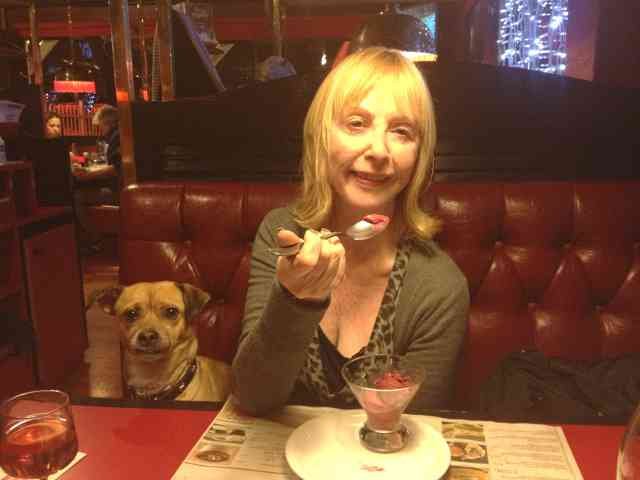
(316, 270)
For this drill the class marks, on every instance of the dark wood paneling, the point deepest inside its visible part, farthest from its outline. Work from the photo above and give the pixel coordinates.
(252, 131)
(491, 121)
(55, 302)
(51, 169)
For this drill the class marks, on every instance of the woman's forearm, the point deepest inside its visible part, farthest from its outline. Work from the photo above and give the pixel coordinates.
(273, 352)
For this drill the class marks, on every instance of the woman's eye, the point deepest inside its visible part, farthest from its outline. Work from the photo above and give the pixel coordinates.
(404, 132)
(131, 314)
(171, 312)
(355, 123)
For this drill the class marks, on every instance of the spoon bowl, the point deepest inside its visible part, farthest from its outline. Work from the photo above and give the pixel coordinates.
(364, 229)
(370, 226)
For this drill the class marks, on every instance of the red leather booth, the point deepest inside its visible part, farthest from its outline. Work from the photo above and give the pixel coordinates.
(553, 266)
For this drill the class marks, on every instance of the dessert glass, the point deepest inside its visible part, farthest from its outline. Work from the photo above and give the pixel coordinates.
(383, 385)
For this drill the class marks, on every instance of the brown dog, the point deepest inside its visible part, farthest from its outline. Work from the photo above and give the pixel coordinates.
(159, 345)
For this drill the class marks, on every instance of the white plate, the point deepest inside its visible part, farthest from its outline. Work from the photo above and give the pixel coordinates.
(328, 447)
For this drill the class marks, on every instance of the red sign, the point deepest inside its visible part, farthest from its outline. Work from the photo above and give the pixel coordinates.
(74, 86)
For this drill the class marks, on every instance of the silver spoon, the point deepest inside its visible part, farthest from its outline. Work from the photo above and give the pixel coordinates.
(364, 229)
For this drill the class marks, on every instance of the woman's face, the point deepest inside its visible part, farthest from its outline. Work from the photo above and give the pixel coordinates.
(372, 154)
(53, 128)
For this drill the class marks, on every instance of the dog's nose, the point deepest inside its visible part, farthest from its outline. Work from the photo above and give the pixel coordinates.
(148, 337)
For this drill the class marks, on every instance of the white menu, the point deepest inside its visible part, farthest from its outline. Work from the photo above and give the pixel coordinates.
(237, 446)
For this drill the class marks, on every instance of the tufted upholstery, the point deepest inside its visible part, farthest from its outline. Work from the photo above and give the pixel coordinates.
(551, 265)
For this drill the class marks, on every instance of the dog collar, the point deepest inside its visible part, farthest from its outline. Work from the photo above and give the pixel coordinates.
(168, 393)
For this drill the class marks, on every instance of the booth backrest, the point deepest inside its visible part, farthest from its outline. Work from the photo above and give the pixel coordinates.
(552, 266)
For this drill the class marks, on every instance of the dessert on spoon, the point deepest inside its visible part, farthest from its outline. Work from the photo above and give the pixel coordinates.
(368, 227)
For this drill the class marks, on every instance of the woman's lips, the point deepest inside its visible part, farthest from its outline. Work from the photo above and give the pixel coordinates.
(369, 180)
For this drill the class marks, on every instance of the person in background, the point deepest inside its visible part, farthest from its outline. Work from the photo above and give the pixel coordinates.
(108, 177)
(53, 126)
(97, 186)
(368, 147)
(107, 118)
(53, 129)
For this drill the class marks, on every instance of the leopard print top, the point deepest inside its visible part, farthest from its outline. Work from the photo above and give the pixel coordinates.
(313, 375)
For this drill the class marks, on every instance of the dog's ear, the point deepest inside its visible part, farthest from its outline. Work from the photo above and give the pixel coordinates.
(106, 298)
(194, 299)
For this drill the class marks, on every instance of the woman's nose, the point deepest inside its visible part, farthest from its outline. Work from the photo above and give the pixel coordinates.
(378, 147)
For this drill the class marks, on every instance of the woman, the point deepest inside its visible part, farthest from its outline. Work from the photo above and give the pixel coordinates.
(369, 140)
(53, 126)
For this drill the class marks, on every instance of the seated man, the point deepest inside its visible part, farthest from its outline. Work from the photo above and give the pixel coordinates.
(100, 185)
(108, 177)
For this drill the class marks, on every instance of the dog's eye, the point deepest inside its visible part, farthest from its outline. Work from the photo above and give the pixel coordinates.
(171, 312)
(131, 314)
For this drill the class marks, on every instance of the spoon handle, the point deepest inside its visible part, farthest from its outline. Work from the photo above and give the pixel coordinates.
(291, 250)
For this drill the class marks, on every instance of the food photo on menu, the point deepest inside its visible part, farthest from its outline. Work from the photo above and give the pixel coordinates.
(468, 473)
(219, 446)
(225, 434)
(464, 431)
(467, 444)
(214, 455)
(468, 452)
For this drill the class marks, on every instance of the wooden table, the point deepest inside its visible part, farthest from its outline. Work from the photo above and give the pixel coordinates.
(150, 443)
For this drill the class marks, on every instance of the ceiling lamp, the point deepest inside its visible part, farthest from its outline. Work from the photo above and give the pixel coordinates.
(74, 77)
(395, 30)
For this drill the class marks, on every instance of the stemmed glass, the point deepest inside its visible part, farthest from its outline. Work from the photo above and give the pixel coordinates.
(383, 385)
(629, 454)
(37, 434)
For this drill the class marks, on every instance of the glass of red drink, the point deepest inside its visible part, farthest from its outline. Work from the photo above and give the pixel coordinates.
(383, 385)
(37, 434)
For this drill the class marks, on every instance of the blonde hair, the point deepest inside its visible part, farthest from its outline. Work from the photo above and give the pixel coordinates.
(348, 84)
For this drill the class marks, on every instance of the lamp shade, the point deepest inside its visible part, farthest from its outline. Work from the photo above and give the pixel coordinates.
(393, 30)
(74, 78)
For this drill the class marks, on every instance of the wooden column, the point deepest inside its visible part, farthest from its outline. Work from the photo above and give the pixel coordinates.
(276, 27)
(123, 80)
(146, 81)
(451, 37)
(36, 59)
(617, 59)
(165, 36)
(582, 35)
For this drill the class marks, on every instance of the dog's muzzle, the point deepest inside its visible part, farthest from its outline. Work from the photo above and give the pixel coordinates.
(148, 340)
